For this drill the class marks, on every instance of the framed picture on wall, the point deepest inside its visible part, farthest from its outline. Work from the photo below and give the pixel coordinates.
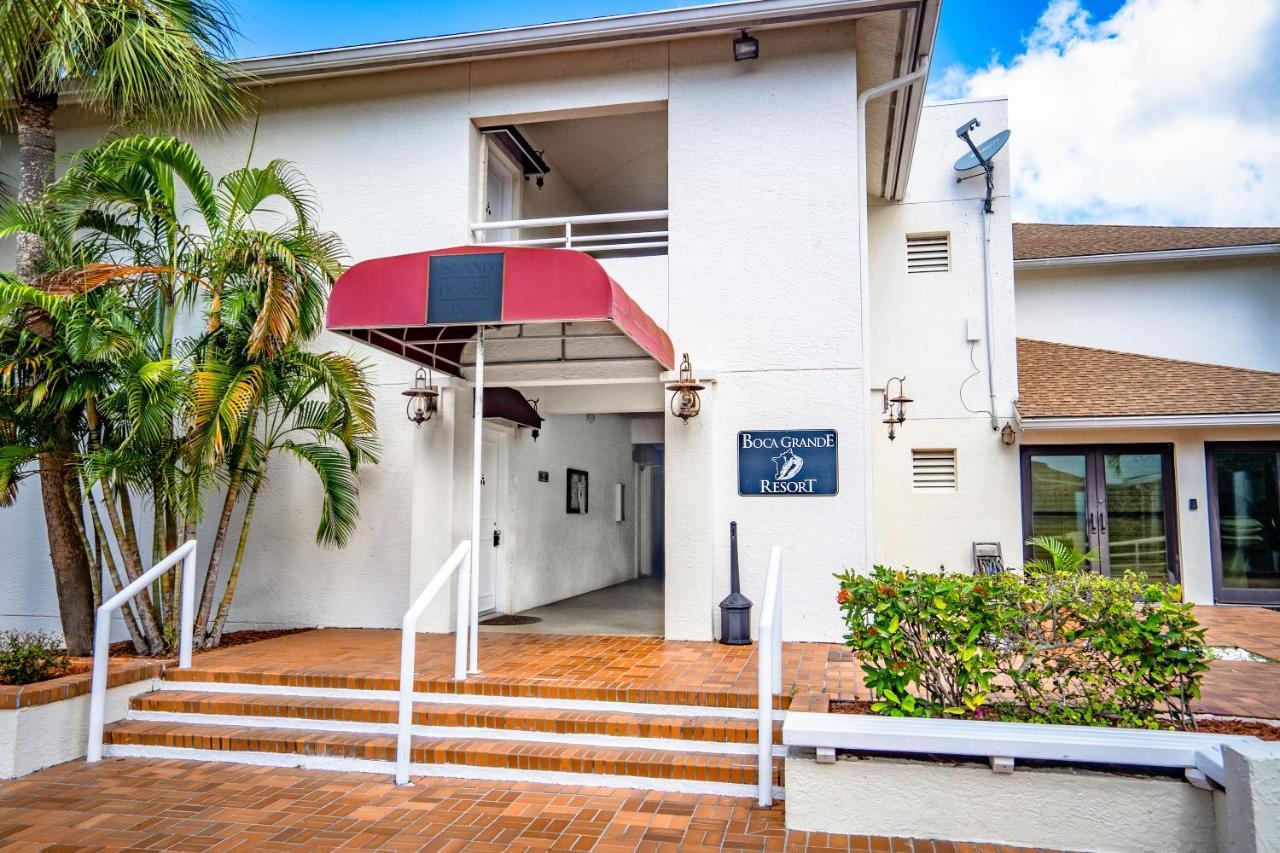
(575, 502)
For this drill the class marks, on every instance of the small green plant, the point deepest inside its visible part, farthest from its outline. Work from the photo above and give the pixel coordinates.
(26, 657)
(1054, 645)
(1061, 557)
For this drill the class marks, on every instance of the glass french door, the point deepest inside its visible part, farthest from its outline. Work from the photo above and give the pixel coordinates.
(1244, 522)
(1116, 500)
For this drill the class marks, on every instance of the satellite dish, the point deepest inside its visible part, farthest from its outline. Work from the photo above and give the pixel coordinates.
(986, 151)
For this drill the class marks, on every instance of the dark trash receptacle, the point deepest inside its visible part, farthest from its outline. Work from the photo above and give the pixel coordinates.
(735, 610)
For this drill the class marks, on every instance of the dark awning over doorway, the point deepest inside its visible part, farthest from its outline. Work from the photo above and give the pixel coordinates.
(508, 404)
(544, 305)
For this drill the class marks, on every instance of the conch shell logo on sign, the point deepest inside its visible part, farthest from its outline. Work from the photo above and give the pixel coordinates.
(787, 465)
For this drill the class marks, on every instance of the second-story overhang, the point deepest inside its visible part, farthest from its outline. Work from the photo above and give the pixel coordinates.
(550, 307)
(907, 42)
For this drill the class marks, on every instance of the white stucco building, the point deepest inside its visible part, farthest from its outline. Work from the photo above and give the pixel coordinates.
(724, 199)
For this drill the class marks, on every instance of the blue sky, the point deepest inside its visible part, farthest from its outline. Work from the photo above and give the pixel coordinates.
(972, 31)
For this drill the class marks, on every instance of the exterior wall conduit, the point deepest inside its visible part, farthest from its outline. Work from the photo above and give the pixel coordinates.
(864, 287)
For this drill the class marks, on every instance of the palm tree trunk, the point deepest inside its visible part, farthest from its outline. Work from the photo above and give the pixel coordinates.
(104, 551)
(70, 562)
(224, 607)
(133, 569)
(75, 503)
(215, 557)
(146, 598)
(36, 150)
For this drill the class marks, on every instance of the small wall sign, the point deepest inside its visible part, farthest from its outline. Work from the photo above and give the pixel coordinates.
(788, 462)
(575, 500)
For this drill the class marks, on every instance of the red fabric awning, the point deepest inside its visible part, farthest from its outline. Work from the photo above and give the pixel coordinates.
(391, 303)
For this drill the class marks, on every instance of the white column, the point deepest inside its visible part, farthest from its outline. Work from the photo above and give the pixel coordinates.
(476, 476)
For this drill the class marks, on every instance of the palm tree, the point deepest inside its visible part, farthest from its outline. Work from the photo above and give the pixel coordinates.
(1060, 556)
(135, 61)
(170, 418)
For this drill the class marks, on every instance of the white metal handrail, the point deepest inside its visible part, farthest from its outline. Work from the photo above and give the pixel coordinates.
(569, 239)
(769, 677)
(186, 554)
(461, 557)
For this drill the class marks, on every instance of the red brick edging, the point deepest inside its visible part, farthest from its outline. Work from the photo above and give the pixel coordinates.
(121, 672)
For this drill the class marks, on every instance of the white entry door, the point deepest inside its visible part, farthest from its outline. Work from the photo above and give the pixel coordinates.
(501, 199)
(491, 502)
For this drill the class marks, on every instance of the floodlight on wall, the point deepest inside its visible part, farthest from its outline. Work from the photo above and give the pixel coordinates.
(745, 47)
(685, 402)
(424, 398)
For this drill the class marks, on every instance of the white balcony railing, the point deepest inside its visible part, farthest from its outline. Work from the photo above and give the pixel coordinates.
(586, 233)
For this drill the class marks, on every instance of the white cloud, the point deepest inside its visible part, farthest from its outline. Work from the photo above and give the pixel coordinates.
(1166, 113)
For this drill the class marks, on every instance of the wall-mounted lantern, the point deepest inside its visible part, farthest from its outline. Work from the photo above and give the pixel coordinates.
(894, 408)
(1008, 437)
(424, 398)
(685, 402)
(745, 47)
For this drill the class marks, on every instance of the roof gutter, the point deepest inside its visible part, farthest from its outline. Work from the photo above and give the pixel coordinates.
(1169, 255)
(1152, 421)
(568, 35)
(922, 30)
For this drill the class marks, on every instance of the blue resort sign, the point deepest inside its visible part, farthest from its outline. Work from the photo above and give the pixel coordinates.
(788, 462)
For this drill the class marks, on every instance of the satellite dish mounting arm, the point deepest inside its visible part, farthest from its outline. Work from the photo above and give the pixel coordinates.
(988, 169)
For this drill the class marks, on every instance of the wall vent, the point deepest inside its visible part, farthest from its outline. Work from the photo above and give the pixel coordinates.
(928, 253)
(933, 469)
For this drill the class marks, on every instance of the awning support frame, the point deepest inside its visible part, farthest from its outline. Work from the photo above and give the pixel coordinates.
(477, 478)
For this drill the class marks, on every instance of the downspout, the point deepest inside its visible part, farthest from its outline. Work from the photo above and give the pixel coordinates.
(864, 287)
(989, 316)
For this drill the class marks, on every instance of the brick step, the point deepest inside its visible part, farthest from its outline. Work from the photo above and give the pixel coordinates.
(493, 758)
(514, 688)
(543, 721)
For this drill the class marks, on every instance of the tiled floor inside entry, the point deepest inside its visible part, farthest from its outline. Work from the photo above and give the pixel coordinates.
(187, 805)
(634, 607)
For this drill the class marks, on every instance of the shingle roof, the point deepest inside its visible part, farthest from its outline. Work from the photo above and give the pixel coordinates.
(1042, 240)
(1063, 381)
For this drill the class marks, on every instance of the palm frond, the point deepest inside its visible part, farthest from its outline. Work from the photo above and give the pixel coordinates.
(341, 503)
(144, 60)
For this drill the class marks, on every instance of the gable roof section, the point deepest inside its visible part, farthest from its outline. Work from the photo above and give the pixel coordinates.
(1043, 240)
(1063, 381)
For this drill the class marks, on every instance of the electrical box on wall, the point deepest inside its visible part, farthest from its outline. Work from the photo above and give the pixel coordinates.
(972, 330)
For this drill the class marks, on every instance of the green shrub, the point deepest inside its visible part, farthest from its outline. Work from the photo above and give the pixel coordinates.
(1046, 646)
(27, 657)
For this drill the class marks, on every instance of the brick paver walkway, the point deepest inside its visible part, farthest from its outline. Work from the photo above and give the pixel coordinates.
(186, 805)
(650, 669)
(636, 669)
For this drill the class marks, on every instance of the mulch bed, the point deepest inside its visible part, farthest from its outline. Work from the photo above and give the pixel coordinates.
(124, 648)
(1265, 731)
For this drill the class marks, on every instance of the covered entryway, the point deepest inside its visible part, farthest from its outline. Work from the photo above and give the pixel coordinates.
(555, 489)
